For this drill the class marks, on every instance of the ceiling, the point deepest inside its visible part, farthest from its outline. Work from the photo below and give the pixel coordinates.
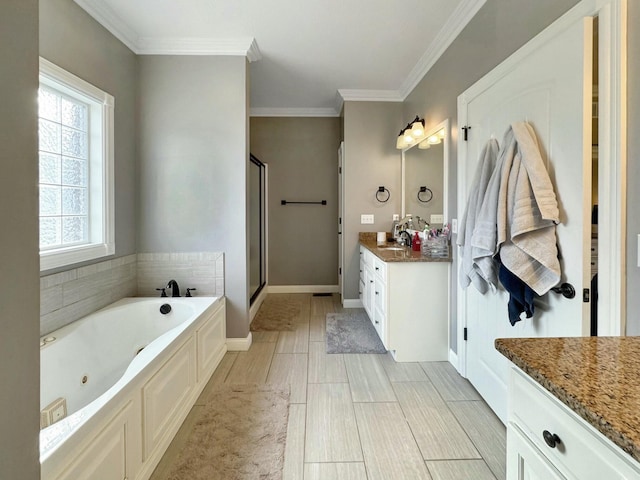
(302, 52)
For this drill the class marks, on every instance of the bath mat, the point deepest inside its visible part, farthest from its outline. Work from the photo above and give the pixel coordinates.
(240, 434)
(352, 333)
(276, 314)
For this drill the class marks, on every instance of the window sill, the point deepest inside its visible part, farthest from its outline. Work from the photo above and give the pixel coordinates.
(70, 256)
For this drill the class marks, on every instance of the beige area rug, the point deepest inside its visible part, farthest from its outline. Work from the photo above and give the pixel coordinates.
(276, 314)
(240, 435)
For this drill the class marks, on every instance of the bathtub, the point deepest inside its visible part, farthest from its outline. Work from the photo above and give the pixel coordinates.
(128, 375)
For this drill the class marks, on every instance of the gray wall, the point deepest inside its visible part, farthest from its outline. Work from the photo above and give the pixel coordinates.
(193, 165)
(371, 160)
(73, 40)
(302, 159)
(497, 30)
(19, 352)
(633, 174)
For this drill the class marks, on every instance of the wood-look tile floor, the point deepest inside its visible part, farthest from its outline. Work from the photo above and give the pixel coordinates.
(364, 417)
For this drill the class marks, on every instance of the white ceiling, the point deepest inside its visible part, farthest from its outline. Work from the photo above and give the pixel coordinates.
(302, 51)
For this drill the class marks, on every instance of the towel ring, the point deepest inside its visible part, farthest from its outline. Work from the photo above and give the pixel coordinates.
(427, 192)
(380, 190)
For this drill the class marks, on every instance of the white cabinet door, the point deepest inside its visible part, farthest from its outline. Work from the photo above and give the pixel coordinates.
(549, 86)
(525, 462)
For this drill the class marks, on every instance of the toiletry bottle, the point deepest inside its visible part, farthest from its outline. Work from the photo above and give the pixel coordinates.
(425, 243)
(416, 242)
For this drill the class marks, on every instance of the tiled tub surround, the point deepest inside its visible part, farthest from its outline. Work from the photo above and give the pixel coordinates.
(68, 296)
(202, 270)
(596, 377)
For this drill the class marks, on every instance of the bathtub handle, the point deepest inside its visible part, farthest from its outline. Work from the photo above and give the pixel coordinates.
(189, 290)
(163, 294)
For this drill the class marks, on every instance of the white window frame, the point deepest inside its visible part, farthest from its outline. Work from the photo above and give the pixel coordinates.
(101, 180)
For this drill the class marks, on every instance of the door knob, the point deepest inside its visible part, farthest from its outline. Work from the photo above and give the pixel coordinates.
(566, 289)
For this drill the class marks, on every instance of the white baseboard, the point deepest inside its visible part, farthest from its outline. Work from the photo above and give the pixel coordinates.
(303, 289)
(256, 305)
(239, 344)
(352, 303)
(453, 360)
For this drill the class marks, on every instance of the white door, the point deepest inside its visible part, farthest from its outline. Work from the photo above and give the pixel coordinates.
(340, 217)
(547, 83)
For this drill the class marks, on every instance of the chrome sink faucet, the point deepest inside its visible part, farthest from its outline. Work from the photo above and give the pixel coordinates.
(401, 240)
(175, 289)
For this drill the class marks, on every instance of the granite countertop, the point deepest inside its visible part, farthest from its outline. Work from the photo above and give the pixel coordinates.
(597, 377)
(369, 240)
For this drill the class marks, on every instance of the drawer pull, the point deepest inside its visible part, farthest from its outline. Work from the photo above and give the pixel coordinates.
(370, 281)
(551, 439)
(377, 293)
(377, 269)
(377, 322)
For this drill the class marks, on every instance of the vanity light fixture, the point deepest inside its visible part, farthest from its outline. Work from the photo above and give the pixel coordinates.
(423, 145)
(417, 128)
(434, 139)
(411, 134)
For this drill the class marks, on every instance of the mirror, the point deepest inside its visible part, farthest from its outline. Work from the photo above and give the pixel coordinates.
(427, 167)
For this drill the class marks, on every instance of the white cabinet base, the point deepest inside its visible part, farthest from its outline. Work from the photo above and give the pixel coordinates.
(408, 305)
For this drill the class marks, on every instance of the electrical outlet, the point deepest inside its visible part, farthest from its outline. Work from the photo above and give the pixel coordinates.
(396, 217)
(366, 219)
(454, 225)
(437, 218)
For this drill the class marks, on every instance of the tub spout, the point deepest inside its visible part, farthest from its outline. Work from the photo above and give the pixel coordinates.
(175, 289)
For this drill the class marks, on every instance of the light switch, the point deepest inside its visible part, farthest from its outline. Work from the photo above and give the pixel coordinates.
(366, 219)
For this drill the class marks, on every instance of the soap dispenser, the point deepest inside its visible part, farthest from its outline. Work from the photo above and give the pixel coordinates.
(416, 242)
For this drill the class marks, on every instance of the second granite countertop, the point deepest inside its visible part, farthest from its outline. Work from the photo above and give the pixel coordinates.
(596, 377)
(369, 241)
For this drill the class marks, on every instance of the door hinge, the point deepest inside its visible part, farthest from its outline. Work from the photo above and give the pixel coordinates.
(339, 169)
(339, 220)
(585, 295)
(340, 271)
(465, 131)
(464, 334)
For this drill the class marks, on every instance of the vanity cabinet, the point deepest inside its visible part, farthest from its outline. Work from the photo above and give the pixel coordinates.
(407, 303)
(547, 440)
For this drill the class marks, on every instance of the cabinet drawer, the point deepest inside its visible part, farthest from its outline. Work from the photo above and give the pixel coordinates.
(380, 268)
(582, 452)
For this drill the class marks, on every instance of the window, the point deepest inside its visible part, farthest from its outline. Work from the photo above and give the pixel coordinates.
(76, 169)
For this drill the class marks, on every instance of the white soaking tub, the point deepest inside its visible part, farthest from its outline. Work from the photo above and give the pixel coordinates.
(127, 375)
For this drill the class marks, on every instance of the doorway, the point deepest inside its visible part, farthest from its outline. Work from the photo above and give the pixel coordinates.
(257, 228)
(549, 83)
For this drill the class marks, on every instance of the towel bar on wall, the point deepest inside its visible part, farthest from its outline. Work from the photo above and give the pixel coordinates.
(288, 202)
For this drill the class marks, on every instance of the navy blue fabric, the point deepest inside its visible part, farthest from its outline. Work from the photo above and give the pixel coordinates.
(520, 295)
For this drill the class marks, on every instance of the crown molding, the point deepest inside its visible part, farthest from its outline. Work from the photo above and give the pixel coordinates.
(370, 95)
(246, 47)
(293, 112)
(456, 22)
(106, 17)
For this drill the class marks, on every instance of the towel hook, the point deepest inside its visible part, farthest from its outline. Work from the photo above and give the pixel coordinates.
(566, 289)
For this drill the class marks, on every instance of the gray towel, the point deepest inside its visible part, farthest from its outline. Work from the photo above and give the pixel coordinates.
(470, 271)
(528, 213)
